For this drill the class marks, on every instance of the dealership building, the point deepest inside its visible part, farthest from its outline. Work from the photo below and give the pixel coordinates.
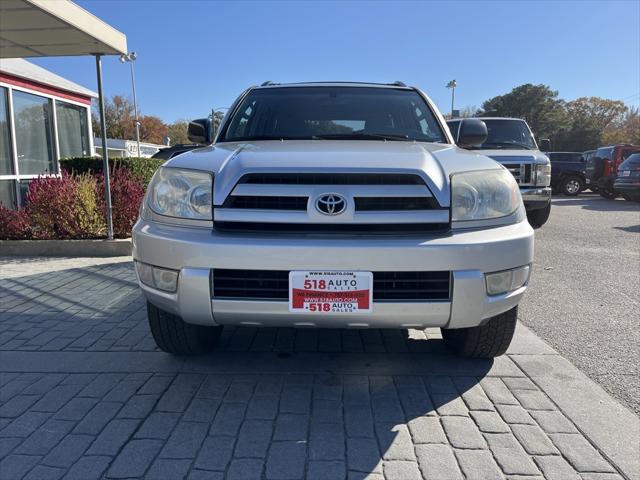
(43, 118)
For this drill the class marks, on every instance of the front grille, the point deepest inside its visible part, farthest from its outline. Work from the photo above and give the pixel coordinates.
(367, 204)
(380, 203)
(521, 172)
(331, 179)
(266, 203)
(387, 286)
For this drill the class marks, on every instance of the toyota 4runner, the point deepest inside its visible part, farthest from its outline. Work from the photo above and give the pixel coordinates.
(333, 205)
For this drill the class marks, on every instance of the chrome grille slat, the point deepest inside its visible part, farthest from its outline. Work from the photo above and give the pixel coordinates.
(287, 201)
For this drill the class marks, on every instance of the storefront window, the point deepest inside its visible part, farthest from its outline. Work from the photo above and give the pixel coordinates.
(34, 133)
(73, 135)
(8, 193)
(6, 162)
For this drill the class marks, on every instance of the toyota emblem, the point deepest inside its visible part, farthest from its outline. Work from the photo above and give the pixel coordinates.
(331, 204)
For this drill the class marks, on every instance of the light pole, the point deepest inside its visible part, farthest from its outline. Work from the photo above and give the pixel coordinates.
(131, 57)
(452, 85)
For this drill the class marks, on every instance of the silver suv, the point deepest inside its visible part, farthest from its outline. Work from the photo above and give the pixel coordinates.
(333, 205)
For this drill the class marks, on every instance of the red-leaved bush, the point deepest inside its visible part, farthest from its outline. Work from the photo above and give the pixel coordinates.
(73, 207)
(13, 224)
(127, 193)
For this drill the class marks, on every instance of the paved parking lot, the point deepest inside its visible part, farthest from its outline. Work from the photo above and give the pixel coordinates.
(585, 290)
(84, 393)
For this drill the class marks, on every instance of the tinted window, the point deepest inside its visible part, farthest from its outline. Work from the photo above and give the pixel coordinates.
(8, 193)
(73, 133)
(508, 134)
(291, 113)
(34, 133)
(605, 153)
(6, 162)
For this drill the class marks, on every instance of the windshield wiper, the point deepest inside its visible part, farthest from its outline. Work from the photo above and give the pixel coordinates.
(508, 144)
(362, 136)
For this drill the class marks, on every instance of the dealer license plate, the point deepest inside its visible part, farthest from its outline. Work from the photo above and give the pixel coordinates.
(330, 292)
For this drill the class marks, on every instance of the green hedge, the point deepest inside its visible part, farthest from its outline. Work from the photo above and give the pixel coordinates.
(143, 168)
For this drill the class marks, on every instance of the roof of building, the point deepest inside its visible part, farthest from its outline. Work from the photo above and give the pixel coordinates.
(19, 67)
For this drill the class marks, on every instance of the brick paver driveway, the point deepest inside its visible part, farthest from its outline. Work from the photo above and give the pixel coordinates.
(84, 394)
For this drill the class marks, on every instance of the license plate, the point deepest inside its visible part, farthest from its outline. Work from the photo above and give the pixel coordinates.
(626, 173)
(588, 181)
(330, 292)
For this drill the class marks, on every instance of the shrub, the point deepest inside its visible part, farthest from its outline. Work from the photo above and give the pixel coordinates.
(127, 192)
(52, 207)
(14, 224)
(142, 168)
(73, 206)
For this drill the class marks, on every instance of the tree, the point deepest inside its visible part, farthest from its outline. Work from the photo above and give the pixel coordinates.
(152, 129)
(537, 104)
(119, 118)
(589, 118)
(625, 131)
(177, 132)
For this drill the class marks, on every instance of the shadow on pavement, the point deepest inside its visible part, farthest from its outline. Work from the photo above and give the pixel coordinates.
(596, 203)
(298, 399)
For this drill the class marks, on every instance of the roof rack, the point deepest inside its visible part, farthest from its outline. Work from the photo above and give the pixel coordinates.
(267, 83)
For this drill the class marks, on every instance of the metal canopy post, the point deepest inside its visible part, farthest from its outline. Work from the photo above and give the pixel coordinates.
(105, 154)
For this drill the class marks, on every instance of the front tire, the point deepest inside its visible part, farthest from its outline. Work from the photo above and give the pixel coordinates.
(571, 185)
(539, 217)
(174, 335)
(485, 341)
(607, 193)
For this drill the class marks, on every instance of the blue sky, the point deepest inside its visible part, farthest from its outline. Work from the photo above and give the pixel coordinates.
(195, 55)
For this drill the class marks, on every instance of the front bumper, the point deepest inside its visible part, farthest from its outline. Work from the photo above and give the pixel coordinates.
(536, 198)
(467, 254)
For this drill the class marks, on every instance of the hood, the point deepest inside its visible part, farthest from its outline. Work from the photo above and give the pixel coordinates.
(433, 162)
(515, 156)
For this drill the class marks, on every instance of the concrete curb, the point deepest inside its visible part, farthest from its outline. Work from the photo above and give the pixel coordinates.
(612, 428)
(66, 248)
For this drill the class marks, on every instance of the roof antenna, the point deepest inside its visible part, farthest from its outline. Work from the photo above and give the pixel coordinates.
(267, 83)
(398, 83)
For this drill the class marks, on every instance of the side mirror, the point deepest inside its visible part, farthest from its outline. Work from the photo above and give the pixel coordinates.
(198, 131)
(471, 132)
(545, 145)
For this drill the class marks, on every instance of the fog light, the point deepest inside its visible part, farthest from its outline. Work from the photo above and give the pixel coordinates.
(156, 277)
(507, 280)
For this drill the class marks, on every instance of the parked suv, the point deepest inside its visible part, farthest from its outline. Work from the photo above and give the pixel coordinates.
(602, 167)
(567, 172)
(333, 205)
(627, 182)
(511, 143)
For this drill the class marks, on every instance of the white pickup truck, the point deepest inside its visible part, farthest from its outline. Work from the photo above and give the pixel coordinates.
(334, 205)
(510, 142)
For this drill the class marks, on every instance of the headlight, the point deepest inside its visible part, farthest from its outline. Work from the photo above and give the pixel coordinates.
(175, 192)
(483, 195)
(543, 175)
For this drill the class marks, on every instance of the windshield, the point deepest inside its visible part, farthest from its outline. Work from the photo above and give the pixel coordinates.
(508, 134)
(333, 113)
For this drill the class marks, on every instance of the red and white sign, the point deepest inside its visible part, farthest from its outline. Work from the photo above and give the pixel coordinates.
(330, 292)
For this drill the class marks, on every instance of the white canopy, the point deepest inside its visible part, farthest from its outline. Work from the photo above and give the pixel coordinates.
(46, 28)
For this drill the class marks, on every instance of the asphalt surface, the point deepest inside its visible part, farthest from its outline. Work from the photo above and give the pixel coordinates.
(584, 296)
